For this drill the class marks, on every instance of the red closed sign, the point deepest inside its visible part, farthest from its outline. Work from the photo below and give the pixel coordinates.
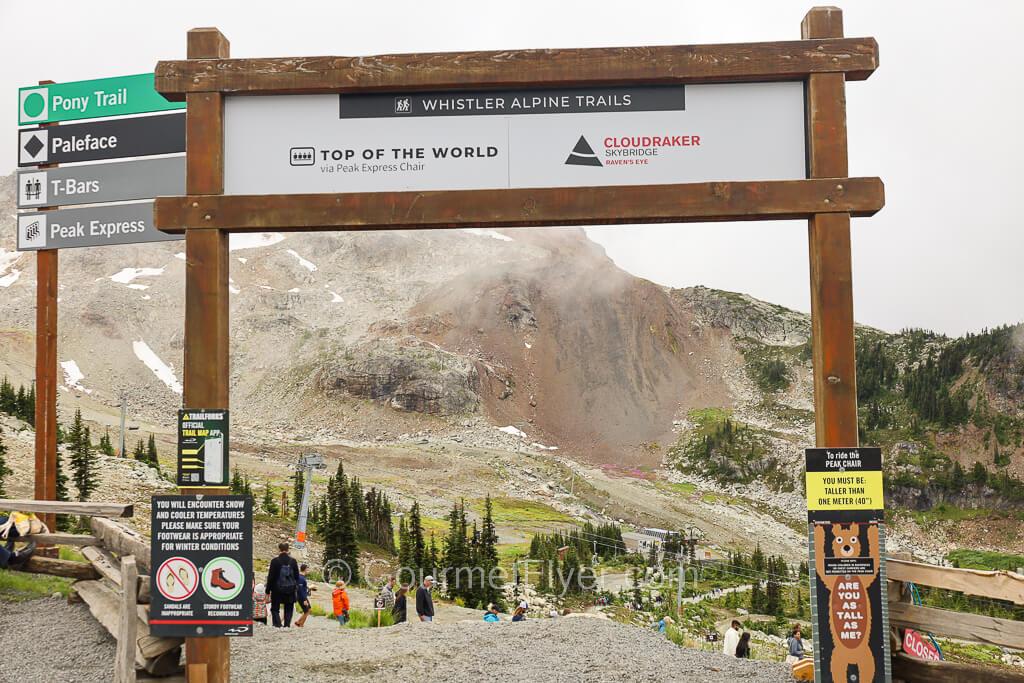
(922, 648)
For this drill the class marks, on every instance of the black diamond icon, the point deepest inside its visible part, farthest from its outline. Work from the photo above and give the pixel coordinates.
(33, 146)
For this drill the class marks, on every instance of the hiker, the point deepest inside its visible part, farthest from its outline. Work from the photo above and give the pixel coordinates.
(259, 604)
(520, 613)
(743, 647)
(425, 603)
(388, 592)
(399, 608)
(340, 598)
(302, 597)
(282, 580)
(732, 639)
(796, 646)
(492, 613)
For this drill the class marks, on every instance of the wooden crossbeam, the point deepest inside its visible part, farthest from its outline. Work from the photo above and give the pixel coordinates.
(857, 58)
(973, 627)
(1000, 585)
(60, 539)
(68, 507)
(690, 202)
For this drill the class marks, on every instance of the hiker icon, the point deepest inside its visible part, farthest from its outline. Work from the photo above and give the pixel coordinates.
(177, 578)
(223, 578)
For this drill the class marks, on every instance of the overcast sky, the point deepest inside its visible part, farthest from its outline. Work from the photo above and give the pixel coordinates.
(940, 122)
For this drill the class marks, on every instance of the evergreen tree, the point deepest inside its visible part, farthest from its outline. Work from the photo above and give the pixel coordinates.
(416, 538)
(757, 599)
(340, 537)
(139, 454)
(106, 447)
(237, 485)
(404, 546)
(433, 559)
(4, 469)
(83, 461)
(268, 503)
(63, 521)
(488, 557)
(8, 398)
(151, 454)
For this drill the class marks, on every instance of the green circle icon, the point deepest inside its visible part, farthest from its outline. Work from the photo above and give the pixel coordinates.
(223, 578)
(34, 105)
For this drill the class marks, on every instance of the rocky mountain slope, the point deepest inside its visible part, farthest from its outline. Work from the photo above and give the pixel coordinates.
(525, 339)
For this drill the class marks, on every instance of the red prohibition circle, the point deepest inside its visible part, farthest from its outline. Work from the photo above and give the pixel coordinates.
(195, 574)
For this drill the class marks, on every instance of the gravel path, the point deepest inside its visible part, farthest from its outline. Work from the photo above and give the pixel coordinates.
(564, 649)
(49, 640)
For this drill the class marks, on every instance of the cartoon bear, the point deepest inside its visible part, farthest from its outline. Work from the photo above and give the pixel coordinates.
(849, 613)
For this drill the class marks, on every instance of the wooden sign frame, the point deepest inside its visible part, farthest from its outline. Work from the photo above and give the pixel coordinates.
(823, 59)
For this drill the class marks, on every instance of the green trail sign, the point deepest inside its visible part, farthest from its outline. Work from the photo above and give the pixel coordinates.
(90, 99)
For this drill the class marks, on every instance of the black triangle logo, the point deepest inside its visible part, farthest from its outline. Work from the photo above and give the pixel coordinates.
(582, 154)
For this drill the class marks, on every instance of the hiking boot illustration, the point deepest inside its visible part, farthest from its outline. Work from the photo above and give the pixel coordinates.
(218, 581)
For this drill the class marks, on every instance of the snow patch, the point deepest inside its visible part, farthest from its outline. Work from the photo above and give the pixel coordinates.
(180, 255)
(233, 290)
(128, 274)
(335, 297)
(8, 259)
(488, 233)
(73, 376)
(162, 371)
(294, 290)
(10, 278)
(543, 447)
(302, 262)
(243, 261)
(138, 286)
(265, 287)
(512, 431)
(146, 297)
(528, 345)
(252, 240)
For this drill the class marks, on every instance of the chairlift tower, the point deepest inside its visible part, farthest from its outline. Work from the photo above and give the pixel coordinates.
(307, 463)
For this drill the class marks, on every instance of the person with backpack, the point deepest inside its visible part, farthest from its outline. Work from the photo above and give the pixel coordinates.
(282, 582)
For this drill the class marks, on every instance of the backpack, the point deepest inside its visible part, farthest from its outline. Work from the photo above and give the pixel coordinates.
(286, 580)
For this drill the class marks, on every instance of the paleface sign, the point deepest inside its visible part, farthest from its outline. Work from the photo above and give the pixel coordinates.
(202, 448)
(95, 183)
(134, 137)
(202, 564)
(91, 226)
(498, 139)
(847, 541)
(91, 99)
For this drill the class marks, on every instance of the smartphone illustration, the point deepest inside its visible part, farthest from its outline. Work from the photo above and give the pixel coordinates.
(213, 467)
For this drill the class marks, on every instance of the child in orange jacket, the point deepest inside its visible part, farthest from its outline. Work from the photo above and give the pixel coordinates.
(340, 597)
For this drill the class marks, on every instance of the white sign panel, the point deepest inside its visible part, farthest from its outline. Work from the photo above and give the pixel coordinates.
(465, 140)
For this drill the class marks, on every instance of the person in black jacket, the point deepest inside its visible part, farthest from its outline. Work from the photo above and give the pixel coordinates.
(425, 603)
(282, 580)
(399, 609)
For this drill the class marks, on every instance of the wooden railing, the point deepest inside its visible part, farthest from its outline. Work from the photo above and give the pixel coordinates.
(998, 585)
(110, 582)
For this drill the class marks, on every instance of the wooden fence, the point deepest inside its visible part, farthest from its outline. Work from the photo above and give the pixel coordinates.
(998, 585)
(114, 583)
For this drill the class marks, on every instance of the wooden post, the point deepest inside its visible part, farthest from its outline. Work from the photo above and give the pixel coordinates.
(206, 302)
(835, 378)
(46, 375)
(127, 632)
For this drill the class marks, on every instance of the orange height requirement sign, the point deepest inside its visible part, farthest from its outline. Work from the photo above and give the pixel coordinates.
(846, 539)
